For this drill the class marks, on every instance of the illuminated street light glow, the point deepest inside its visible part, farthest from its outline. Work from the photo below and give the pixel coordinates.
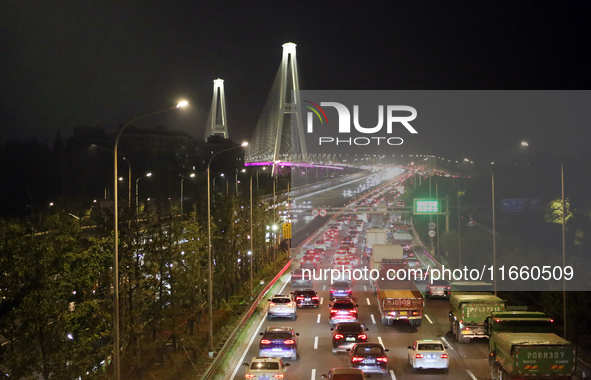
(182, 103)
(244, 143)
(148, 174)
(524, 143)
(192, 175)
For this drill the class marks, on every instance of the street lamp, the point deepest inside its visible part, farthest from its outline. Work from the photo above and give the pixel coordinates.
(137, 194)
(209, 261)
(236, 179)
(524, 143)
(128, 174)
(116, 349)
(251, 240)
(192, 175)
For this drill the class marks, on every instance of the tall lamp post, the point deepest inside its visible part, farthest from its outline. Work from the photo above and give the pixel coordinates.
(137, 193)
(116, 349)
(236, 179)
(128, 169)
(494, 225)
(251, 240)
(192, 175)
(209, 261)
(563, 206)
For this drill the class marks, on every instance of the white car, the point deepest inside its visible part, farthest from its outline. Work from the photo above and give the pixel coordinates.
(265, 368)
(429, 353)
(281, 306)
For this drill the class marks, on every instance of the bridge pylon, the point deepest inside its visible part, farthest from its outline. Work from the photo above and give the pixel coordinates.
(217, 124)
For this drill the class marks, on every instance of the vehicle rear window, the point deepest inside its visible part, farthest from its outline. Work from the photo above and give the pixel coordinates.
(341, 284)
(264, 365)
(431, 346)
(308, 293)
(347, 377)
(342, 306)
(280, 300)
(369, 350)
(277, 335)
(350, 327)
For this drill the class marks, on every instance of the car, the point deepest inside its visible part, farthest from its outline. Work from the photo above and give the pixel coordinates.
(347, 334)
(340, 289)
(340, 253)
(306, 297)
(264, 368)
(369, 357)
(328, 242)
(320, 253)
(428, 353)
(309, 261)
(355, 260)
(341, 373)
(301, 278)
(281, 306)
(342, 310)
(281, 342)
(320, 244)
(438, 288)
(342, 264)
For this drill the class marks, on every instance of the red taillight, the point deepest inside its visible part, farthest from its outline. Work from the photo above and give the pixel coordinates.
(444, 356)
(299, 298)
(449, 288)
(338, 336)
(290, 304)
(279, 376)
(249, 376)
(356, 359)
(265, 341)
(289, 341)
(383, 359)
(361, 336)
(315, 298)
(418, 356)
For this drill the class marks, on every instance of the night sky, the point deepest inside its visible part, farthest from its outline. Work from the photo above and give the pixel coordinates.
(67, 63)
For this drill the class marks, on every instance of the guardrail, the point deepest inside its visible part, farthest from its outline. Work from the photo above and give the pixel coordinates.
(216, 362)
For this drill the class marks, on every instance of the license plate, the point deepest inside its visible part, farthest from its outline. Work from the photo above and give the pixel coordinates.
(264, 378)
(403, 313)
(277, 350)
(308, 299)
(350, 339)
(370, 361)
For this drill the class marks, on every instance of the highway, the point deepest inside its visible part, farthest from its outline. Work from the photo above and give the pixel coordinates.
(467, 361)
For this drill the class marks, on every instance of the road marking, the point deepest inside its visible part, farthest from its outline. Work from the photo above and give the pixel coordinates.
(321, 299)
(446, 342)
(380, 340)
(315, 342)
(323, 287)
(392, 375)
(471, 374)
(429, 319)
(373, 320)
(365, 288)
(369, 303)
(248, 348)
(318, 319)
(313, 375)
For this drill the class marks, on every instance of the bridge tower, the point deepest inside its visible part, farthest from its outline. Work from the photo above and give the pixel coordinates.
(279, 134)
(217, 124)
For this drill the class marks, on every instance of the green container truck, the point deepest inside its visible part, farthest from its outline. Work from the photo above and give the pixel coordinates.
(522, 346)
(468, 312)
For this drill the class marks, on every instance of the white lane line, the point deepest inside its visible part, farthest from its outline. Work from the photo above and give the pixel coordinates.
(471, 374)
(318, 319)
(247, 349)
(446, 342)
(365, 288)
(429, 319)
(373, 320)
(380, 340)
(321, 299)
(323, 287)
(392, 375)
(313, 375)
(315, 342)
(369, 303)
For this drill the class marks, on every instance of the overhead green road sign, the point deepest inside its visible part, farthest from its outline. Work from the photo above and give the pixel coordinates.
(426, 206)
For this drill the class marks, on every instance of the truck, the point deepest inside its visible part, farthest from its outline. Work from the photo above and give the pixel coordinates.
(468, 312)
(398, 299)
(522, 345)
(384, 251)
(402, 238)
(374, 236)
